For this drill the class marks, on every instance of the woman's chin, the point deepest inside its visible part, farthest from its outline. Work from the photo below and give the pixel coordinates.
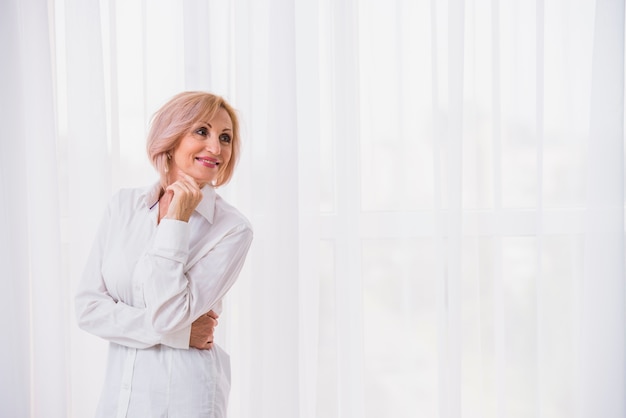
(203, 181)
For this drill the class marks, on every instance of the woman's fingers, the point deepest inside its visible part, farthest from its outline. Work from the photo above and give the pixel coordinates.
(202, 330)
(186, 196)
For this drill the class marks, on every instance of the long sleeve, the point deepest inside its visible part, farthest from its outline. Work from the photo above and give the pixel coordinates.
(178, 287)
(101, 314)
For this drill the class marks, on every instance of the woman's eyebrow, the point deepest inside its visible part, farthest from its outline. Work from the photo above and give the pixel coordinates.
(210, 126)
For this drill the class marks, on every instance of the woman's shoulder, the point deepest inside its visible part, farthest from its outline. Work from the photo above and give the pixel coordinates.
(229, 214)
(133, 198)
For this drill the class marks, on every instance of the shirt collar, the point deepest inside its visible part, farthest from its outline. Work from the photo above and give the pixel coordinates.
(206, 207)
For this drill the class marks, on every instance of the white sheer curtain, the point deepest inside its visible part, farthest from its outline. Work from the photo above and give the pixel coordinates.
(437, 190)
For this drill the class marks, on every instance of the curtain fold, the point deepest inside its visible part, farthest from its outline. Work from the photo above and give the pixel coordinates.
(276, 214)
(345, 122)
(48, 289)
(35, 309)
(451, 348)
(603, 281)
(85, 185)
(16, 369)
(436, 188)
(307, 118)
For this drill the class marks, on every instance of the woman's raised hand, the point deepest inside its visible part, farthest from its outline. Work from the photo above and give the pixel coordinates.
(185, 196)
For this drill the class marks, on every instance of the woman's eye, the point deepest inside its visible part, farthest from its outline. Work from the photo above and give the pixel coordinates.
(225, 138)
(202, 131)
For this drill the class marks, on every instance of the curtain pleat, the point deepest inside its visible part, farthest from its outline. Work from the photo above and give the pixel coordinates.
(16, 368)
(86, 177)
(112, 93)
(307, 87)
(539, 247)
(345, 129)
(439, 241)
(603, 281)
(197, 47)
(452, 350)
(280, 295)
(48, 288)
(35, 297)
(499, 389)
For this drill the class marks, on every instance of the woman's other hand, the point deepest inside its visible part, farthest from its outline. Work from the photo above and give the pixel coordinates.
(202, 331)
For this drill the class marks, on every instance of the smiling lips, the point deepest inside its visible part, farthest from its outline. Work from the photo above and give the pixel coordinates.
(208, 161)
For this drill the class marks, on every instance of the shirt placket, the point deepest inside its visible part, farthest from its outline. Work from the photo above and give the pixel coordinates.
(127, 381)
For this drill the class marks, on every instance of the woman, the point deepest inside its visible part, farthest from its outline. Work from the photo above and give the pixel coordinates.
(163, 259)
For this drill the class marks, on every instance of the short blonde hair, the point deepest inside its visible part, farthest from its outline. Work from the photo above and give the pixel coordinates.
(177, 118)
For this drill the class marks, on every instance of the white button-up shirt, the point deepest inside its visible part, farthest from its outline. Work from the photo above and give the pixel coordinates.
(145, 282)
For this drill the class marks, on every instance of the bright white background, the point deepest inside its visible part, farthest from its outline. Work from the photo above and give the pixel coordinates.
(437, 191)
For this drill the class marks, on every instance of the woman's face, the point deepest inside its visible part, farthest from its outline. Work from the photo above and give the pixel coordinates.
(202, 152)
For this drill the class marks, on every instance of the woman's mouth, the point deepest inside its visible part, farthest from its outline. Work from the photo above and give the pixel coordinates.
(208, 161)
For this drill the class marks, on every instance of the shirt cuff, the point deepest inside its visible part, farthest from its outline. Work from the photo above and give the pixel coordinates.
(178, 339)
(172, 240)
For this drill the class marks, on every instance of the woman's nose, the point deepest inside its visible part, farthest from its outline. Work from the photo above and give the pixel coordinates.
(213, 144)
